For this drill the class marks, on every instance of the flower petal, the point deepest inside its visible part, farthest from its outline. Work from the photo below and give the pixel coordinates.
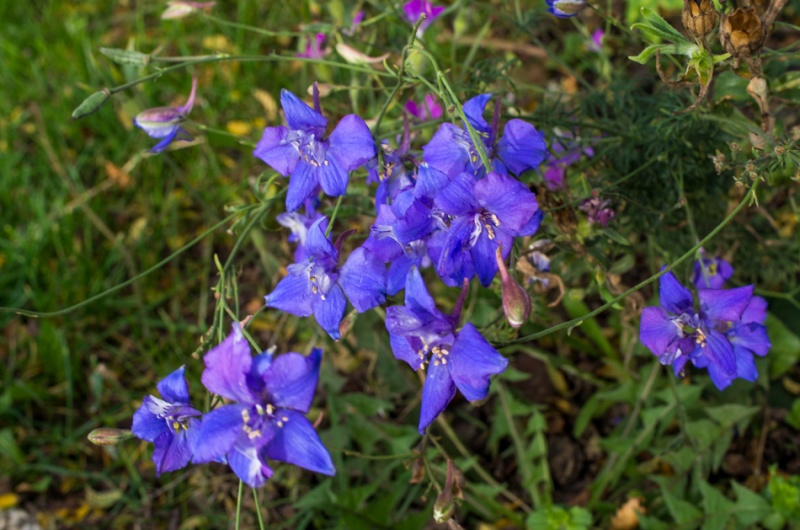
(402, 350)
(171, 452)
(522, 147)
(173, 388)
(724, 304)
(657, 331)
(473, 109)
(292, 294)
(300, 116)
(291, 380)
(351, 143)
(363, 279)
(279, 155)
(329, 312)
(296, 442)
(447, 151)
(719, 352)
(437, 392)
(227, 366)
(219, 430)
(302, 185)
(675, 298)
(146, 425)
(508, 199)
(745, 364)
(458, 197)
(751, 336)
(248, 466)
(472, 361)
(756, 311)
(429, 181)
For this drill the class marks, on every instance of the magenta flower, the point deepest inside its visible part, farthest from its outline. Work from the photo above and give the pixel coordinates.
(596, 44)
(429, 109)
(313, 47)
(416, 8)
(165, 122)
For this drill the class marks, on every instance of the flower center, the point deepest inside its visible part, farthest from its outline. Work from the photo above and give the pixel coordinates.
(256, 416)
(312, 150)
(437, 355)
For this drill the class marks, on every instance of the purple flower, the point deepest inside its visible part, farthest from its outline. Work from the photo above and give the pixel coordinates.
(565, 8)
(357, 18)
(451, 150)
(566, 151)
(596, 44)
(300, 152)
(170, 424)
(165, 122)
(318, 286)
(299, 225)
(416, 8)
(266, 420)
(421, 335)
(597, 210)
(429, 109)
(711, 273)
(313, 47)
(483, 215)
(715, 337)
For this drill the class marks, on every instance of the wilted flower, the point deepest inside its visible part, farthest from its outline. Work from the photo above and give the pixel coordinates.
(170, 424)
(741, 33)
(699, 17)
(565, 8)
(722, 336)
(165, 122)
(266, 419)
(597, 210)
(317, 285)
(313, 47)
(416, 8)
(429, 109)
(421, 335)
(180, 9)
(300, 152)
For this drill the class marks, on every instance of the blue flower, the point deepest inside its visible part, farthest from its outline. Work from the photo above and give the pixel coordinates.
(165, 122)
(299, 224)
(421, 335)
(711, 273)
(318, 286)
(171, 424)
(300, 152)
(452, 151)
(722, 336)
(565, 8)
(266, 420)
(484, 214)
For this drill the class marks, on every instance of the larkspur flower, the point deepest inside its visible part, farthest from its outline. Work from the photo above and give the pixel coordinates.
(422, 336)
(429, 109)
(566, 150)
(721, 336)
(266, 420)
(452, 151)
(317, 285)
(314, 45)
(165, 122)
(711, 273)
(484, 214)
(416, 8)
(565, 8)
(170, 424)
(300, 152)
(299, 224)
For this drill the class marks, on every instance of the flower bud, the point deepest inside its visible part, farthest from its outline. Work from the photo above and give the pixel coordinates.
(565, 8)
(126, 56)
(109, 436)
(353, 56)
(181, 9)
(741, 33)
(699, 17)
(516, 301)
(91, 104)
(445, 506)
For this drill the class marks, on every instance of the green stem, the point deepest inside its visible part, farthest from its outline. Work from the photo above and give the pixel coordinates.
(258, 509)
(519, 448)
(239, 505)
(688, 254)
(47, 314)
(333, 215)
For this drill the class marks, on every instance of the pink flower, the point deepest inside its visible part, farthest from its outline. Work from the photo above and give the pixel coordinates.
(313, 47)
(416, 8)
(429, 109)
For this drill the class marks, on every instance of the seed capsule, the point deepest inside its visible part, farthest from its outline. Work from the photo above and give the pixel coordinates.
(699, 17)
(742, 33)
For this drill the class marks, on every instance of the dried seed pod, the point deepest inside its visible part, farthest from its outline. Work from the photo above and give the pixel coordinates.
(742, 33)
(699, 17)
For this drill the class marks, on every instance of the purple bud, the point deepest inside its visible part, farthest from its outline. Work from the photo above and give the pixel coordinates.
(516, 301)
(165, 122)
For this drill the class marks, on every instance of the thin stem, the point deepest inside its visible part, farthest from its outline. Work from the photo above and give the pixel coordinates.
(688, 254)
(333, 215)
(239, 505)
(258, 509)
(70, 309)
(519, 448)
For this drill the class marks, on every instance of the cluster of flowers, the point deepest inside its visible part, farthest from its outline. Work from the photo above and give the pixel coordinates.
(721, 336)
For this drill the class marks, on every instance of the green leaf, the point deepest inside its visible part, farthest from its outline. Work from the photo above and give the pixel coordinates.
(785, 350)
(716, 506)
(730, 414)
(750, 506)
(703, 433)
(684, 513)
(655, 25)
